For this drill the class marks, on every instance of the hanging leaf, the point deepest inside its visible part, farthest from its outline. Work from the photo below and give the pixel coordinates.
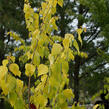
(75, 44)
(79, 38)
(57, 48)
(69, 36)
(42, 69)
(5, 62)
(68, 93)
(12, 58)
(14, 68)
(11, 83)
(66, 43)
(60, 3)
(19, 83)
(84, 29)
(41, 100)
(79, 31)
(83, 55)
(65, 67)
(71, 56)
(12, 96)
(19, 104)
(51, 59)
(36, 59)
(30, 69)
(3, 72)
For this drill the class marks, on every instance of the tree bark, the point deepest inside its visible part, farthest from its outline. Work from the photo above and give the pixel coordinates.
(76, 78)
(2, 38)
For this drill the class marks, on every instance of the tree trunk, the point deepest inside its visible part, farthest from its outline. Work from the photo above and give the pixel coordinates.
(77, 61)
(76, 78)
(2, 51)
(2, 38)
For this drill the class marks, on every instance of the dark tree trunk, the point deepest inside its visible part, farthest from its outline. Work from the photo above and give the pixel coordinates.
(2, 51)
(76, 78)
(2, 38)
(77, 61)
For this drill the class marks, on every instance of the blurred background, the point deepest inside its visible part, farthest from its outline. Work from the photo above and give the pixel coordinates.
(86, 76)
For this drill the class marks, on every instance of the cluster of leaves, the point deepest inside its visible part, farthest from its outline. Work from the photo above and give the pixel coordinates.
(48, 58)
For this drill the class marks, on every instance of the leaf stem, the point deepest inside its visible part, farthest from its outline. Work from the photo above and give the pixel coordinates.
(29, 91)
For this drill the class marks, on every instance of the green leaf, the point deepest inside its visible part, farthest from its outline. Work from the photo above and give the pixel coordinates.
(19, 104)
(12, 98)
(11, 83)
(42, 69)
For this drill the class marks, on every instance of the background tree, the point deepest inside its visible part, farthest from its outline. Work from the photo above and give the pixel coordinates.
(94, 16)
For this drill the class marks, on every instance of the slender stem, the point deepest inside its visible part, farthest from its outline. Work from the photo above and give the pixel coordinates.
(29, 91)
(29, 81)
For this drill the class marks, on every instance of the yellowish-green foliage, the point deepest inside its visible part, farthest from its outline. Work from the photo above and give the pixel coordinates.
(53, 72)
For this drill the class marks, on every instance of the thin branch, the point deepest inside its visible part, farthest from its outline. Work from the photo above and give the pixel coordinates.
(29, 82)
(92, 34)
(94, 37)
(86, 73)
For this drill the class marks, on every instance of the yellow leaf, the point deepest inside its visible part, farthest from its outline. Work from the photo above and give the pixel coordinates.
(14, 68)
(75, 44)
(71, 56)
(68, 93)
(84, 29)
(5, 62)
(79, 38)
(69, 36)
(36, 59)
(12, 58)
(43, 78)
(30, 69)
(42, 69)
(79, 31)
(4, 87)
(66, 43)
(65, 67)
(11, 83)
(95, 107)
(19, 83)
(51, 59)
(3, 72)
(60, 2)
(56, 49)
(40, 100)
(83, 55)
